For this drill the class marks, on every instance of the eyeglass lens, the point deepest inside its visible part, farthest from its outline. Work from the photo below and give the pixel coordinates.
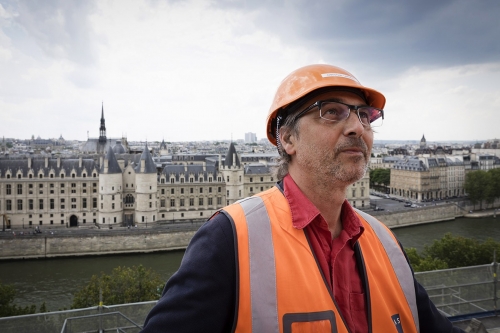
(333, 111)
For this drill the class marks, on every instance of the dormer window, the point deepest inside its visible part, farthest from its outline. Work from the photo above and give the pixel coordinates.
(40, 176)
(72, 175)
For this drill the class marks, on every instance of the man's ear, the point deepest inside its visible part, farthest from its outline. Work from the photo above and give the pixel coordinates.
(288, 141)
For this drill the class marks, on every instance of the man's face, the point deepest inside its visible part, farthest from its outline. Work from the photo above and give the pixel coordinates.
(330, 153)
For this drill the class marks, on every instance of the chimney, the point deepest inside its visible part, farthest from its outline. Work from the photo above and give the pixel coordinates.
(29, 162)
(106, 166)
(143, 165)
(58, 161)
(46, 162)
(204, 166)
(220, 161)
(234, 160)
(80, 161)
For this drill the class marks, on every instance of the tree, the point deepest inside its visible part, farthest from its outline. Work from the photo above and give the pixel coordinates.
(380, 177)
(7, 295)
(477, 185)
(452, 252)
(123, 285)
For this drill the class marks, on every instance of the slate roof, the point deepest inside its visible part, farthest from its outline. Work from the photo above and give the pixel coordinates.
(149, 164)
(113, 166)
(256, 169)
(410, 164)
(186, 170)
(231, 153)
(38, 166)
(118, 148)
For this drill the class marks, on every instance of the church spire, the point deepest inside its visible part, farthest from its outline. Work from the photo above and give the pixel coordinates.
(102, 128)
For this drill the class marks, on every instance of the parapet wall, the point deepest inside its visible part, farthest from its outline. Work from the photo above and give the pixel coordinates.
(419, 215)
(47, 246)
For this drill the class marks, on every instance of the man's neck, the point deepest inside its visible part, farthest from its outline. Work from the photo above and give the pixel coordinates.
(328, 198)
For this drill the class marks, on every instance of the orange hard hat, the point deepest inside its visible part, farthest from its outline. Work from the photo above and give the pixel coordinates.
(309, 78)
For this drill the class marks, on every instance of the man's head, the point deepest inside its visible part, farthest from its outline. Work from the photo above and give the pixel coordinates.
(311, 122)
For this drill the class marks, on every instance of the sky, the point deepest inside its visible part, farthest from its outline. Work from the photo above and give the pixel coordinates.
(208, 70)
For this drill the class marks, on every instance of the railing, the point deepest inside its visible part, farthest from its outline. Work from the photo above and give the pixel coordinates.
(455, 292)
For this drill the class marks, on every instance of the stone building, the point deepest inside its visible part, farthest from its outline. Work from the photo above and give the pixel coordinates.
(118, 188)
(425, 178)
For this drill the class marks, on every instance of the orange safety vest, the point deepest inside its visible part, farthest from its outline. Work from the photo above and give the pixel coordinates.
(282, 289)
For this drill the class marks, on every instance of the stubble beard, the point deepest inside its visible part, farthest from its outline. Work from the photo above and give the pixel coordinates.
(331, 170)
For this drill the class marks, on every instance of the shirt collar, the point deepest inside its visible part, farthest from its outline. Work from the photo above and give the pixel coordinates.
(304, 212)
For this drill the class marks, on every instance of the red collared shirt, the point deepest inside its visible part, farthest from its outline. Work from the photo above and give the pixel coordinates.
(335, 256)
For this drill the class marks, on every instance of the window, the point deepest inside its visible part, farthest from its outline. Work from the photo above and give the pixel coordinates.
(72, 175)
(228, 178)
(150, 205)
(8, 189)
(251, 189)
(219, 201)
(150, 197)
(94, 202)
(172, 180)
(354, 193)
(62, 175)
(362, 192)
(251, 179)
(172, 202)
(8, 205)
(113, 205)
(201, 189)
(181, 203)
(227, 192)
(73, 184)
(261, 179)
(162, 191)
(200, 201)
(210, 203)
(19, 204)
(172, 191)
(40, 204)
(191, 201)
(209, 179)
(219, 189)
(113, 197)
(191, 179)
(191, 190)
(19, 188)
(209, 190)
(182, 191)
(182, 180)
(51, 204)
(30, 204)
(162, 203)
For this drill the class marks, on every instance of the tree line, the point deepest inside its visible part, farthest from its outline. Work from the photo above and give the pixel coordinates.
(482, 186)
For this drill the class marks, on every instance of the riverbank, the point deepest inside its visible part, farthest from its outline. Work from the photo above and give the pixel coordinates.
(51, 243)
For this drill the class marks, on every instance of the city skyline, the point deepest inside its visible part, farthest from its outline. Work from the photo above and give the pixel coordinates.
(199, 70)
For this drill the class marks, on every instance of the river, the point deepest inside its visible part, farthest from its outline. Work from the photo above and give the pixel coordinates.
(56, 280)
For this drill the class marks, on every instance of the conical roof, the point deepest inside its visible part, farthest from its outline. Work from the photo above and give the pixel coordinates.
(232, 156)
(149, 164)
(113, 166)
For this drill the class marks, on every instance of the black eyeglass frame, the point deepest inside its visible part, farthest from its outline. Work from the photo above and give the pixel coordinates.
(353, 108)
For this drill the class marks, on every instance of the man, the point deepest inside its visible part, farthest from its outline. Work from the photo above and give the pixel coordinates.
(298, 257)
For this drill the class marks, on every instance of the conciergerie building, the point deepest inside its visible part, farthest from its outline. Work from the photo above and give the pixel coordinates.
(107, 185)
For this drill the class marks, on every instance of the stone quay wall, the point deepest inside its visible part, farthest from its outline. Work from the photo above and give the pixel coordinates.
(49, 246)
(442, 212)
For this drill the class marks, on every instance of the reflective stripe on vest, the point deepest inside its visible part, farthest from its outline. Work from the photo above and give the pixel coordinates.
(398, 262)
(262, 286)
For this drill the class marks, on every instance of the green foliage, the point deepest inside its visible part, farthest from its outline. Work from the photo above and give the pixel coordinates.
(483, 185)
(380, 177)
(451, 252)
(423, 264)
(123, 285)
(7, 295)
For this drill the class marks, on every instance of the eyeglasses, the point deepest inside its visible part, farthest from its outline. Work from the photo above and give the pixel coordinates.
(338, 111)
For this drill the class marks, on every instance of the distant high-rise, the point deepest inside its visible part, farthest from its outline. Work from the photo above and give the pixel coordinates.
(250, 138)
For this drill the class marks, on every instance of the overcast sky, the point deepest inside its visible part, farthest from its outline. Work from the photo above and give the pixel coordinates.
(194, 70)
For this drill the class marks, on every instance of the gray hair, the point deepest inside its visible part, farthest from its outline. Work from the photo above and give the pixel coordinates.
(290, 127)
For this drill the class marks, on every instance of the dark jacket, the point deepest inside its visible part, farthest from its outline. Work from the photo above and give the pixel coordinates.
(201, 295)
